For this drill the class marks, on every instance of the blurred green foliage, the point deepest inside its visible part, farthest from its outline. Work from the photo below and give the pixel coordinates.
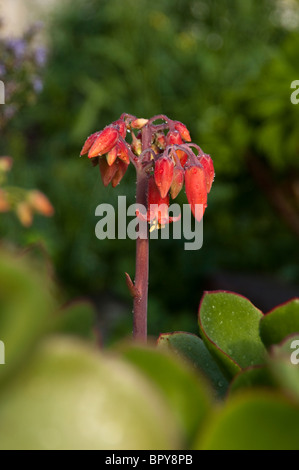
(60, 391)
(222, 68)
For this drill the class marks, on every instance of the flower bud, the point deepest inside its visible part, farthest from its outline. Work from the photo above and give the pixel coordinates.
(40, 203)
(196, 189)
(177, 182)
(160, 140)
(104, 142)
(136, 144)
(5, 164)
(164, 174)
(121, 127)
(122, 152)
(182, 129)
(174, 138)
(89, 143)
(207, 163)
(112, 156)
(24, 213)
(139, 123)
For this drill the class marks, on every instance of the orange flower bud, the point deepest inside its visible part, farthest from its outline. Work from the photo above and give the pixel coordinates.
(136, 144)
(89, 142)
(122, 152)
(164, 174)
(5, 163)
(196, 188)
(177, 182)
(207, 163)
(182, 129)
(104, 142)
(40, 203)
(139, 123)
(112, 156)
(24, 213)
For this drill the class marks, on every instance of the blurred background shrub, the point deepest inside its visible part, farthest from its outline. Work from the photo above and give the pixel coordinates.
(225, 70)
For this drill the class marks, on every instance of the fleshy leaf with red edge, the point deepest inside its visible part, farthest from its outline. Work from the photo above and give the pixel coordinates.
(280, 322)
(229, 325)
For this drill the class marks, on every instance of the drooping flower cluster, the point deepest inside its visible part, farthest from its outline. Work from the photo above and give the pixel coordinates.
(162, 149)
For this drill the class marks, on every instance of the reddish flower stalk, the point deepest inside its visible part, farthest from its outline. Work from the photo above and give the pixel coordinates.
(164, 161)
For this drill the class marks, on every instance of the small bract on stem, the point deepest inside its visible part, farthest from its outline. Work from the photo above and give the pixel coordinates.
(163, 156)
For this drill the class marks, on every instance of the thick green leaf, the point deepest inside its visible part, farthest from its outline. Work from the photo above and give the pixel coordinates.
(187, 395)
(280, 323)
(72, 397)
(284, 364)
(194, 350)
(78, 319)
(26, 306)
(253, 421)
(229, 324)
(259, 376)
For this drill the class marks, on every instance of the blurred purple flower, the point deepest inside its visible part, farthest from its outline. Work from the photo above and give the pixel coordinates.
(40, 56)
(37, 85)
(18, 46)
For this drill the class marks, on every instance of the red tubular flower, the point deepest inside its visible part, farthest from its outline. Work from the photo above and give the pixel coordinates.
(107, 171)
(207, 163)
(157, 212)
(182, 129)
(164, 174)
(120, 172)
(177, 182)
(104, 142)
(196, 189)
